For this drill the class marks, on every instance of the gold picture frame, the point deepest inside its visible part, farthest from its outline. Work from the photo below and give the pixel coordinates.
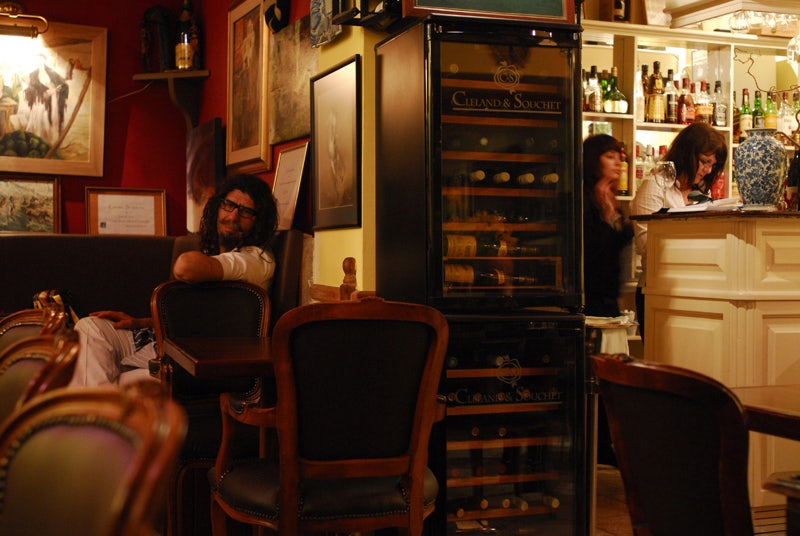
(55, 124)
(30, 204)
(130, 211)
(289, 172)
(247, 146)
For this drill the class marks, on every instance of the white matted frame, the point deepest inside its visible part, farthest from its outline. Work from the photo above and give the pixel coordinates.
(247, 144)
(30, 204)
(132, 211)
(288, 174)
(56, 125)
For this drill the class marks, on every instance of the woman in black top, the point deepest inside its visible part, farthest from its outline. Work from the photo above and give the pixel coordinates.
(606, 231)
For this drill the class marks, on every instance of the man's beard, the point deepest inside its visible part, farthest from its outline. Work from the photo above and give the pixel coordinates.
(230, 241)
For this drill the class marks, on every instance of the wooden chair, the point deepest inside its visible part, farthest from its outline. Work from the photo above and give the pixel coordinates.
(35, 365)
(212, 309)
(90, 461)
(356, 401)
(681, 441)
(30, 322)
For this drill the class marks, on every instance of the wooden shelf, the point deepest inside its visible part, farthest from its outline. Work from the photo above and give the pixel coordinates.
(184, 90)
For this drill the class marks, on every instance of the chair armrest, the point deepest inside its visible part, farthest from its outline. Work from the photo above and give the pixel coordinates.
(233, 410)
(441, 408)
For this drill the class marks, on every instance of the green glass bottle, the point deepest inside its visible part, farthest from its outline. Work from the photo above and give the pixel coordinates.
(758, 111)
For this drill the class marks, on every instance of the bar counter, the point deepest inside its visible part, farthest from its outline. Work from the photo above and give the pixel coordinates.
(722, 297)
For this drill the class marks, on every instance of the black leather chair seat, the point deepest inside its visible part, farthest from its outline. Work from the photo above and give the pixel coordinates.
(319, 500)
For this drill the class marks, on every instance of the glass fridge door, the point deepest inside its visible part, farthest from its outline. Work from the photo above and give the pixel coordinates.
(506, 167)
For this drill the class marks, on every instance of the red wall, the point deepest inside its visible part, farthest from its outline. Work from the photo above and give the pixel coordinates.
(145, 134)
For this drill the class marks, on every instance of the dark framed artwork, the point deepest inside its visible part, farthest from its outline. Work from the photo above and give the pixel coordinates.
(205, 168)
(53, 123)
(336, 143)
(541, 10)
(30, 205)
(248, 148)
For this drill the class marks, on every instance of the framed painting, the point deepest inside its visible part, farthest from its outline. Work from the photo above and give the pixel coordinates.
(288, 173)
(336, 142)
(247, 147)
(131, 211)
(30, 205)
(53, 122)
(292, 63)
(541, 10)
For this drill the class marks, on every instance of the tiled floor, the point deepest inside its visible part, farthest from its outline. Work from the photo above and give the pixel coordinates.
(611, 515)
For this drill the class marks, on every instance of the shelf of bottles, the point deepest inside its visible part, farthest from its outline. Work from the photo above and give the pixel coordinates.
(502, 162)
(509, 415)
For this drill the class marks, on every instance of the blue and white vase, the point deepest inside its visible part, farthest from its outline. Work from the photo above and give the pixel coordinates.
(760, 167)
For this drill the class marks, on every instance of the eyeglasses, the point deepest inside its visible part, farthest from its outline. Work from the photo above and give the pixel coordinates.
(245, 213)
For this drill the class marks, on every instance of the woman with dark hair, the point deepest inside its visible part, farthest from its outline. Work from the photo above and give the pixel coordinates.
(699, 153)
(606, 231)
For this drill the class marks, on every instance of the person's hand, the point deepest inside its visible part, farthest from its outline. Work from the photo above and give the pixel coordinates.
(123, 320)
(605, 197)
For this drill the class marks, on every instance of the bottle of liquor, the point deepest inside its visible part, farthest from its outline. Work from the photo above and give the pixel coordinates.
(703, 109)
(624, 177)
(770, 111)
(737, 124)
(720, 103)
(671, 98)
(593, 97)
(614, 101)
(745, 115)
(656, 107)
(793, 182)
(639, 97)
(795, 112)
(619, 11)
(758, 111)
(785, 115)
(686, 110)
(638, 167)
(187, 46)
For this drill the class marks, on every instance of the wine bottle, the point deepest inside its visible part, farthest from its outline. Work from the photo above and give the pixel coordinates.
(525, 179)
(458, 245)
(758, 111)
(550, 178)
(465, 274)
(501, 177)
(745, 115)
(187, 46)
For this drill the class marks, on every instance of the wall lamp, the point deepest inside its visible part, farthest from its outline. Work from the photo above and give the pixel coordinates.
(30, 25)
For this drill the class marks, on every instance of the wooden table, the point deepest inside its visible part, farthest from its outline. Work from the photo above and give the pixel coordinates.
(772, 409)
(218, 357)
(775, 410)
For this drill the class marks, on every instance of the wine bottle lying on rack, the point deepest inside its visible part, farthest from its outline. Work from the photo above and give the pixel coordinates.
(464, 274)
(461, 245)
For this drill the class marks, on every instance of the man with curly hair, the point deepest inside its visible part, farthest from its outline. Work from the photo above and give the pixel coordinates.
(238, 225)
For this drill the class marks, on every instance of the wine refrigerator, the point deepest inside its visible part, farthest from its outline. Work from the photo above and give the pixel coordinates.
(478, 214)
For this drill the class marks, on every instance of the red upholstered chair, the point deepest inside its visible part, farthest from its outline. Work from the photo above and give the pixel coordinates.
(356, 400)
(89, 461)
(681, 441)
